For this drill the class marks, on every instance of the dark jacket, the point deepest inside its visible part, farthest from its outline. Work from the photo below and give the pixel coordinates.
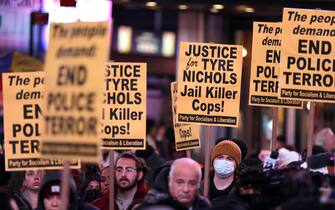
(231, 202)
(103, 202)
(161, 177)
(75, 203)
(156, 200)
(214, 192)
(244, 202)
(21, 201)
(201, 203)
(15, 186)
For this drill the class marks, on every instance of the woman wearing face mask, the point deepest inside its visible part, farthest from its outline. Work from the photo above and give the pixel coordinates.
(225, 158)
(91, 188)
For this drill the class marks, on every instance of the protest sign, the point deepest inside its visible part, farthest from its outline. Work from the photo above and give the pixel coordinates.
(263, 91)
(124, 109)
(25, 63)
(23, 97)
(209, 84)
(186, 135)
(74, 75)
(307, 62)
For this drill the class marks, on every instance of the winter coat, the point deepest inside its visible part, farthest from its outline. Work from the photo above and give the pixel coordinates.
(161, 177)
(21, 201)
(201, 203)
(102, 203)
(75, 203)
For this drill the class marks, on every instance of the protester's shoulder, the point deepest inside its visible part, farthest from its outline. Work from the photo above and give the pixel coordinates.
(142, 190)
(22, 203)
(225, 199)
(101, 202)
(158, 199)
(153, 195)
(228, 202)
(87, 206)
(202, 202)
(306, 202)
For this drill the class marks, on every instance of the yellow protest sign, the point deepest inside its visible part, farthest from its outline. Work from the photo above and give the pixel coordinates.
(307, 61)
(209, 84)
(124, 109)
(263, 91)
(23, 97)
(23, 62)
(74, 75)
(186, 135)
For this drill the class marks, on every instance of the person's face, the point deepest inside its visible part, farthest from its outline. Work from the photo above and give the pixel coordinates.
(32, 179)
(126, 174)
(104, 180)
(183, 185)
(227, 158)
(52, 202)
(93, 185)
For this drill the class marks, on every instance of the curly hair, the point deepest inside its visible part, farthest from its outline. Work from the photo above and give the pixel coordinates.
(139, 162)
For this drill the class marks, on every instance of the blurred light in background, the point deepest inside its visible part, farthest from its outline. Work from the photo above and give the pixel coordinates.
(213, 10)
(218, 6)
(15, 28)
(182, 7)
(308, 106)
(124, 39)
(245, 8)
(151, 4)
(267, 126)
(249, 10)
(244, 52)
(147, 43)
(86, 11)
(169, 43)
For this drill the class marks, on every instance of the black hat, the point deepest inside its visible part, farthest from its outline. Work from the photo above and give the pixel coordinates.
(51, 188)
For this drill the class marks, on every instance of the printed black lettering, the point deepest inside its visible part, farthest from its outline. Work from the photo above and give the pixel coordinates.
(31, 111)
(71, 75)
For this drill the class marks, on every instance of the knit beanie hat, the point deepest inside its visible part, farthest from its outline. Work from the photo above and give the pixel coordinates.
(51, 188)
(227, 148)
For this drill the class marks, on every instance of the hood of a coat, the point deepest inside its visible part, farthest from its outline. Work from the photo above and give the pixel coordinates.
(55, 176)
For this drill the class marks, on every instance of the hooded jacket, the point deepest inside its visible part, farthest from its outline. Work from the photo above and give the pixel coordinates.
(54, 177)
(75, 202)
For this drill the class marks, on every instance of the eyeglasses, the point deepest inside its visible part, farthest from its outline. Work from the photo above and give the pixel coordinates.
(127, 170)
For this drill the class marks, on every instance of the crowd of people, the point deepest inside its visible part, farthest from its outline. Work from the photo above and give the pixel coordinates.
(148, 180)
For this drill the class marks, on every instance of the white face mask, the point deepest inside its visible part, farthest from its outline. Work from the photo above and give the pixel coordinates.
(224, 168)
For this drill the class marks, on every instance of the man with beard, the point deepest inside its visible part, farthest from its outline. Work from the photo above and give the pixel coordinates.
(130, 185)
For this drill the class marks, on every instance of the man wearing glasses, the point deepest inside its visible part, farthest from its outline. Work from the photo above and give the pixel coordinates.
(129, 173)
(129, 181)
